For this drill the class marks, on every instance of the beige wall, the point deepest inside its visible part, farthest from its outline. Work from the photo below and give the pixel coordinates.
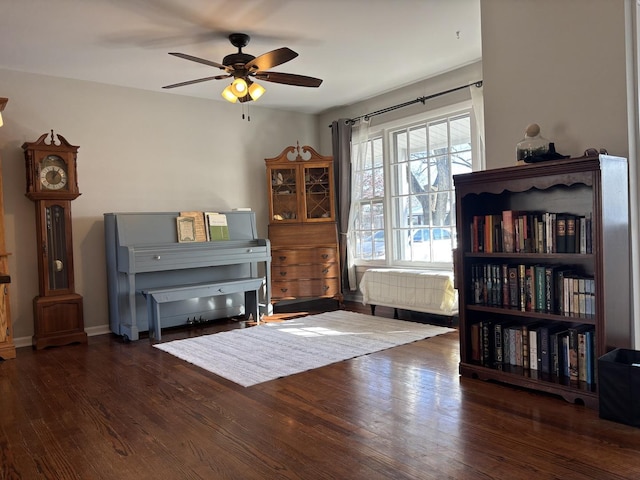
(139, 151)
(558, 63)
(460, 76)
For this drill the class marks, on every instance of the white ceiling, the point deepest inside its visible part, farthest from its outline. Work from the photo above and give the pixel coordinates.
(360, 48)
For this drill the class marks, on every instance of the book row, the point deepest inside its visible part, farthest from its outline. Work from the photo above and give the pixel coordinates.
(531, 232)
(533, 288)
(564, 351)
(202, 227)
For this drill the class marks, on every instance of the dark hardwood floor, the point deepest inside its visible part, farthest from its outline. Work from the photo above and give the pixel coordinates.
(110, 410)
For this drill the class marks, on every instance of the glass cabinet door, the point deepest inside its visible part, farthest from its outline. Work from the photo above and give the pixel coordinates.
(317, 193)
(284, 193)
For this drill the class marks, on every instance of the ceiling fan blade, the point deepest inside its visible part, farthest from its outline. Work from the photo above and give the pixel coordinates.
(199, 60)
(289, 79)
(271, 59)
(191, 82)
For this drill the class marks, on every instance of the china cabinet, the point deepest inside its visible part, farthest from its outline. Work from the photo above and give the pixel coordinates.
(302, 225)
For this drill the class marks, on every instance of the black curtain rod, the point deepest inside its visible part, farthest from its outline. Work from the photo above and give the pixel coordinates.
(411, 102)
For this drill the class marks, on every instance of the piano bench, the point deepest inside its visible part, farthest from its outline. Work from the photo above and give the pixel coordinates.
(156, 296)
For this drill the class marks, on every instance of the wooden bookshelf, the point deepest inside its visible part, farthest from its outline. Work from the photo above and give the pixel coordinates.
(589, 186)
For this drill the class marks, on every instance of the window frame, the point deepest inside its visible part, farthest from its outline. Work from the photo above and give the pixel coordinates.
(386, 131)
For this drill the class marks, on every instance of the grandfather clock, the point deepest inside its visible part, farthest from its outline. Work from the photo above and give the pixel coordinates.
(52, 184)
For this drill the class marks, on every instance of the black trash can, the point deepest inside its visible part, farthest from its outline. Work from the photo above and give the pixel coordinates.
(619, 386)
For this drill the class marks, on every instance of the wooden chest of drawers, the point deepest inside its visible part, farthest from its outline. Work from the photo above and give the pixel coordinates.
(304, 262)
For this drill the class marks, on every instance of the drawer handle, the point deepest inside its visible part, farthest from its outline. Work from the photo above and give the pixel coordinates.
(156, 257)
(282, 258)
(326, 287)
(284, 290)
(283, 274)
(325, 271)
(325, 256)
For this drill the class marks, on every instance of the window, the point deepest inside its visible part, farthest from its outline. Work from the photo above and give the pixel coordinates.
(403, 195)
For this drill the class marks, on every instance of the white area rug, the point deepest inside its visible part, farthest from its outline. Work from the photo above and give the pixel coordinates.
(272, 350)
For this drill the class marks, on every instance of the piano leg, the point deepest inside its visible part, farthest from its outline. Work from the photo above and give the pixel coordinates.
(251, 306)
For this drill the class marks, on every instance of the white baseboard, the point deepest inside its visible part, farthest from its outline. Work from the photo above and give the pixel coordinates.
(91, 331)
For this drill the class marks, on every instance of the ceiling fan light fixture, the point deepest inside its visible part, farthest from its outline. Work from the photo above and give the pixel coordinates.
(228, 95)
(239, 87)
(256, 90)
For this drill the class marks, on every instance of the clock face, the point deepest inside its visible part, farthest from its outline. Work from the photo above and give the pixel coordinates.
(53, 173)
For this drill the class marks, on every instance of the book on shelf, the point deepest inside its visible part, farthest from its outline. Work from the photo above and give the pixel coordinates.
(504, 280)
(590, 360)
(561, 233)
(534, 358)
(582, 236)
(522, 287)
(530, 288)
(476, 342)
(582, 359)
(550, 232)
(565, 355)
(487, 343)
(517, 333)
(555, 351)
(498, 349)
(540, 288)
(571, 234)
(509, 344)
(560, 286)
(574, 350)
(513, 286)
(588, 233)
(217, 226)
(539, 234)
(508, 231)
(198, 224)
(525, 346)
(186, 229)
(549, 288)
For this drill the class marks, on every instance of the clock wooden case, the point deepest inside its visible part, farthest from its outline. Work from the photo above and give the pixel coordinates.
(52, 184)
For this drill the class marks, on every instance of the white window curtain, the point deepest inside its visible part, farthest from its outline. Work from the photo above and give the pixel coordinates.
(360, 145)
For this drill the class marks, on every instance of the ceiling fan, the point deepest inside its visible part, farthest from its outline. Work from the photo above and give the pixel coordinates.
(243, 68)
